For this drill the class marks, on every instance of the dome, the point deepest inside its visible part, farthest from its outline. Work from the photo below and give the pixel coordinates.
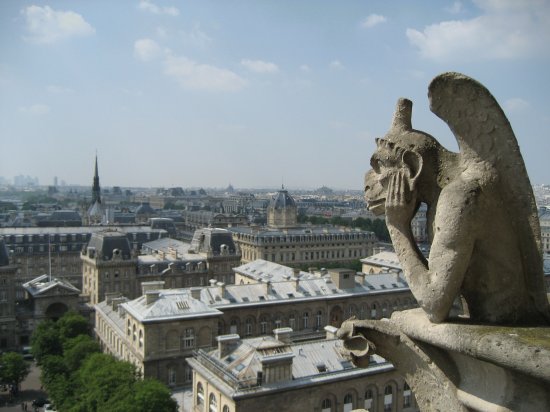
(282, 200)
(145, 209)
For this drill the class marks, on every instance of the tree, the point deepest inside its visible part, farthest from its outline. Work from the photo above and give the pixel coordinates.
(152, 396)
(71, 325)
(77, 350)
(45, 340)
(13, 368)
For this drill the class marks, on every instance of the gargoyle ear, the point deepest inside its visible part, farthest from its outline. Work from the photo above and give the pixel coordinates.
(413, 161)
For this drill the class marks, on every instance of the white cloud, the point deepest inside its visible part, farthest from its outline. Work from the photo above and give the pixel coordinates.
(516, 104)
(305, 68)
(336, 65)
(195, 76)
(505, 30)
(35, 109)
(146, 5)
(259, 66)
(196, 37)
(46, 26)
(373, 20)
(147, 49)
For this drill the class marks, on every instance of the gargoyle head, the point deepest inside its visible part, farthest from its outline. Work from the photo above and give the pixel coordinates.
(402, 148)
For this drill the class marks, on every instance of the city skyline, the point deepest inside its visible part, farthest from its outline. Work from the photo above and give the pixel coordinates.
(203, 94)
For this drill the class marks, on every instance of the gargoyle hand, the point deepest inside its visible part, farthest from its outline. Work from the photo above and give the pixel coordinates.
(401, 200)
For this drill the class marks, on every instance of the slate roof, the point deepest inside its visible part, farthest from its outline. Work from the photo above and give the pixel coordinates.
(170, 304)
(43, 284)
(383, 259)
(282, 200)
(107, 241)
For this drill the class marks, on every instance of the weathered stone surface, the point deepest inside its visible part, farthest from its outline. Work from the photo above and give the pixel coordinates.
(482, 216)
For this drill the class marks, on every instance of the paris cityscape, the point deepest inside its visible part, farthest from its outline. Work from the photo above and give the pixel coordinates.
(185, 220)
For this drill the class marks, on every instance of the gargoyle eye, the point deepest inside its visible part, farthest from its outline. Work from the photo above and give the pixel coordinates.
(375, 164)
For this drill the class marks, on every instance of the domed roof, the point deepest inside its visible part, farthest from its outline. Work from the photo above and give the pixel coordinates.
(145, 209)
(282, 200)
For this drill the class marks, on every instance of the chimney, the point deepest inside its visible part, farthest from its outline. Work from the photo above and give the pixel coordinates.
(331, 332)
(268, 287)
(283, 335)
(221, 289)
(226, 343)
(196, 293)
(213, 282)
(109, 296)
(277, 367)
(151, 296)
(153, 285)
(297, 283)
(115, 301)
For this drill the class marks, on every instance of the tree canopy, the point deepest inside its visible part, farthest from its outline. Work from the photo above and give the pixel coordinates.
(13, 368)
(79, 378)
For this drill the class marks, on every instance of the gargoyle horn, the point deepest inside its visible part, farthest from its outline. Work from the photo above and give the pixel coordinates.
(402, 116)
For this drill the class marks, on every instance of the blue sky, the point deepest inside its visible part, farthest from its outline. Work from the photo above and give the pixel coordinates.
(253, 93)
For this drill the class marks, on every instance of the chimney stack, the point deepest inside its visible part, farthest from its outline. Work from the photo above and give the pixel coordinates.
(226, 343)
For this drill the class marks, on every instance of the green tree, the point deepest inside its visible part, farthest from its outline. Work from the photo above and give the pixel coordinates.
(45, 340)
(13, 368)
(77, 350)
(71, 325)
(152, 396)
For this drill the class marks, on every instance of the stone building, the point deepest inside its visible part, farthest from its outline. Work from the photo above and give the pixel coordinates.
(110, 265)
(8, 323)
(283, 241)
(544, 219)
(384, 261)
(34, 249)
(271, 373)
(305, 302)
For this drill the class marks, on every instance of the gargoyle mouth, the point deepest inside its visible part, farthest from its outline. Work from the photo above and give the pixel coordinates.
(371, 204)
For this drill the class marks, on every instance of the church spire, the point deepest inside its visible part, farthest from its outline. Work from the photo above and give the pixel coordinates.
(96, 191)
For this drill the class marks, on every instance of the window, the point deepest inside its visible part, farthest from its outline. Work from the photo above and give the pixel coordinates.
(373, 311)
(189, 338)
(140, 338)
(134, 333)
(248, 327)
(292, 322)
(225, 408)
(306, 320)
(348, 402)
(319, 320)
(213, 403)
(263, 325)
(388, 398)
(326, 405)
(407, 396)
(369, 399)
(233, 326)
(200, 396)
(172, 376)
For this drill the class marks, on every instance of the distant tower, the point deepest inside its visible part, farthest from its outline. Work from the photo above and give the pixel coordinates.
(282, 211)
(96, 191)
(96, 212)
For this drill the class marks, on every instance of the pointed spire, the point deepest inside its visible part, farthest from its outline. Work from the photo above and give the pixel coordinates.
(96, 190)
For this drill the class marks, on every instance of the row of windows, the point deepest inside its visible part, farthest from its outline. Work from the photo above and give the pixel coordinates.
(370, 400)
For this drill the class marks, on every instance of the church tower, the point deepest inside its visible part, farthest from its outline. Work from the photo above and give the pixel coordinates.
(96, 211)
(96, 191)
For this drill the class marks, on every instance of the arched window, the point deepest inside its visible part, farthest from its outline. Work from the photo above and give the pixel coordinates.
(212, 403)
(388, 398)
(263, 325)
(200, 396)
(128, 330)
(225, 408)
(189, 338)
(407, 396)
(248, 327)
(233, 327)
(348, 402)
(140, 338)
(134, 335)
(292, 322)
(319, 319)
(306, 320)
(369, 397)
(326, 405)
(373, 311)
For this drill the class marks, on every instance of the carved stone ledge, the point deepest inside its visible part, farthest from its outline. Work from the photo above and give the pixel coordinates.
(462, 367)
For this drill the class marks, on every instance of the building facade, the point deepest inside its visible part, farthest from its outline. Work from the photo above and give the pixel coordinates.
(274, 374)
(283, 241)
(305, 302)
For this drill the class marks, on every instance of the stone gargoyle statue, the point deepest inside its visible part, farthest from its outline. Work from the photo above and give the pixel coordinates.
(481, 212)
(485, 252)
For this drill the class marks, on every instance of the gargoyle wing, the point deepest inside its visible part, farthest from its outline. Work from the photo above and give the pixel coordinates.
(486, 138)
